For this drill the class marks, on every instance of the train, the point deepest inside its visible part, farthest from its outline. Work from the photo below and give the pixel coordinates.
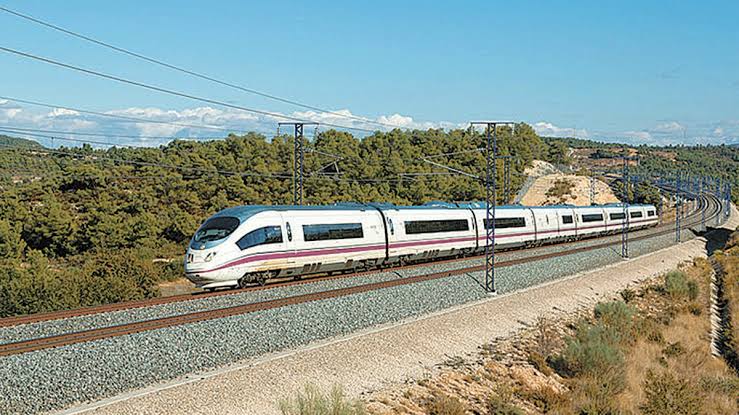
(248, 245)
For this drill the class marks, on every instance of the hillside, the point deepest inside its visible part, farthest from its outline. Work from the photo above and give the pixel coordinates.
(720, 161)
(6, 141)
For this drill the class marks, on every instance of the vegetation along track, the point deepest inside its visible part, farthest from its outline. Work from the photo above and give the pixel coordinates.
(105, 308)
(123, 329)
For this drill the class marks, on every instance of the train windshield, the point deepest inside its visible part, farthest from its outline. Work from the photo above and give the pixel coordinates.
(216, 228)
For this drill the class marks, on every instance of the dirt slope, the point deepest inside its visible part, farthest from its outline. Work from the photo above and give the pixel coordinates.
(553, 187)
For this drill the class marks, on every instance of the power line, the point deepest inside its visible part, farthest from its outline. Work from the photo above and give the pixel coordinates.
(190, 72)
(36, 133)
(165, 90)
(34, 130)
(120, 117)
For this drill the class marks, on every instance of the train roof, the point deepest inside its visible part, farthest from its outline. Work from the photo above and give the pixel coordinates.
(247, 211)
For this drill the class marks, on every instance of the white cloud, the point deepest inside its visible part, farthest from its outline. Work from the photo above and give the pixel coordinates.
(62, 112)
(669, 127)
(3, 101)
(383, 122)
(718, 132)
(548, 129)
(638, 135)
(10, 112)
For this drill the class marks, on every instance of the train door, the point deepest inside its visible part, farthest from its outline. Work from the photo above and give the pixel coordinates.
(290, 238)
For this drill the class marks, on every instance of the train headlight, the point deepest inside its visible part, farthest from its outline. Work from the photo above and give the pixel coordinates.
(210, 256)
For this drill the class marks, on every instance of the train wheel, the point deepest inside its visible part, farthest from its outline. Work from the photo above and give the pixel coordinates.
(262, 277)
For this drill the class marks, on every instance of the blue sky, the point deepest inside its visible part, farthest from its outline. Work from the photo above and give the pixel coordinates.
(643, 72)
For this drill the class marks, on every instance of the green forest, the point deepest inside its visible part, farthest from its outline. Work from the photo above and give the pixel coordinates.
(81, 226)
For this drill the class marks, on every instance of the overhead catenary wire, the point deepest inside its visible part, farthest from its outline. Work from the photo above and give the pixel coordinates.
(21, 130)
(168, 91)
(193, 73)
(31, 133)
(121, 117)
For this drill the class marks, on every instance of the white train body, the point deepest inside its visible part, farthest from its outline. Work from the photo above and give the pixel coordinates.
(248, 244)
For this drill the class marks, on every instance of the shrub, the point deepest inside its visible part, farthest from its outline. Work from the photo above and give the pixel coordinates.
(540, 363)
(667, 394)
(547, 339)
(545, 398)
(719, 384)
(594, 394)
(627, 294)
(692, 290)
(445, 405)
(618, 317)
(88, 280)
(650, 329)
(695, 308)
(673, 349)
(311, 401)
(677, 285)
(593, 350)
(499, 406)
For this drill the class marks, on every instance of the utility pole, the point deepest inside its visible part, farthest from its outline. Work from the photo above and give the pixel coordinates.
(727, 200)
(625, 223)
(592, 188)
(718, 195)
(677, 207)
(298, 159)
(491, 153)
(506, 176)
(703, 211)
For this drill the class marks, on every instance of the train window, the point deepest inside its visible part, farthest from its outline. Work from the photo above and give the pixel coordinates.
(432, 226)
(390, 224)
(261, 236)
(216, 228)
(636, 214)
(289, 231)
(592, 217)
(566, 219)
(332, 231)
(502, 223)
(618, 216)
(650, 213)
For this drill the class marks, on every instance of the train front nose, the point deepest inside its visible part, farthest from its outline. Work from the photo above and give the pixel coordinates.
(197, 262)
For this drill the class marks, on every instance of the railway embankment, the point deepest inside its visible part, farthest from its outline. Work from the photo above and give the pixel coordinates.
(385, 357)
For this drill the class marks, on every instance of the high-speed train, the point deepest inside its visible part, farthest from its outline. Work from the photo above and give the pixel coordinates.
(251, 244)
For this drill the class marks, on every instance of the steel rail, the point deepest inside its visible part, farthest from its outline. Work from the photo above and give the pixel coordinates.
(149, 302)
(26, 346)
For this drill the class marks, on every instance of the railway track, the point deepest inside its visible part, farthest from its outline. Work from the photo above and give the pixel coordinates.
(136, 327)
(127, 305)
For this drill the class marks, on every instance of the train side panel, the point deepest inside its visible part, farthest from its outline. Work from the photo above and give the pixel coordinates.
(514, 227)
(325, 241)
(421, 234)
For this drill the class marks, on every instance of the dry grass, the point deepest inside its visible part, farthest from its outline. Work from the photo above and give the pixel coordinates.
(446, 405)
(312, 401)
(651, 355)
(683, 355)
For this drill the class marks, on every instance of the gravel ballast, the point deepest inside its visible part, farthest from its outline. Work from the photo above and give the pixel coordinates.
(74, 324)
(57, 378)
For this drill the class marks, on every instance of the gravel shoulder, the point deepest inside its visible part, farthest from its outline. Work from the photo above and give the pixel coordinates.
(384, 353)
